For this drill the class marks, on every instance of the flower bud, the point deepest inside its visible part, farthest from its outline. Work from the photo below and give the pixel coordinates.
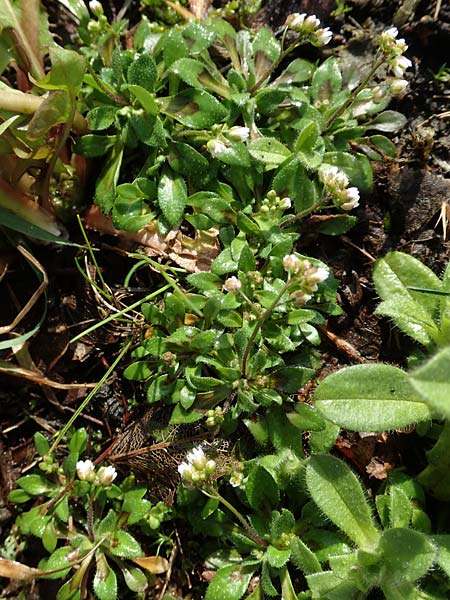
(215, 147)
(96, 8)
(292, 263)
(295, 20)
(232, 284)
(323, 37)
(106, 475)
(398, 86)
(238, 134)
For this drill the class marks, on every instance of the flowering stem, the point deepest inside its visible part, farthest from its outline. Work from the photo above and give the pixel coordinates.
(302, 214)
(275, 64)
(263, 316)
(212, 493)
(351, 99)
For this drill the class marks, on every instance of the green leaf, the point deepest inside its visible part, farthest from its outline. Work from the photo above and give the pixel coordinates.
(172, 196)
(142, 72)
(326, 81)
(261, 488)
(67, 71)
(277, 558)
(145, 98)
(194, 108)
(57, 560)
(125, 545)
(292, 180)
(138, 371)
(19, 224)
(230, 583)
(407, 554)
(41, 443)
(340, 496)
(184, 159)
(443, 552)
(269, 151)
(432, 382)
(55, 109)
(130, 211)
(105, 580)
(304, 558)
(105, 190)
(306, 418)
(385, 145)
(101, 117)
(410, 317)
(49, 536)
(78, 441)
(435, 476)
(370, 398)
(389, 121)
(308, 137)
(92, 145)
(35, 484)
(236, 154)
(135, 579)
(399, 507)
(298, 71)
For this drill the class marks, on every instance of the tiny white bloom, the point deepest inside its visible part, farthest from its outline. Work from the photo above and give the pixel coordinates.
(232, 284)
(398, 86)
(236, 479)
(85, 470)
(323, 36)
(196, 457)
(378, 93)
(285, 203)
(184, 470)
(391, 33)
(96, 7)
(311, 23)
(106, 475)
(295, 20)
(351, 198)
(215, 147)
(399, 65)
(238, 134)
(210, 467)
(319, 275)
(292, 263)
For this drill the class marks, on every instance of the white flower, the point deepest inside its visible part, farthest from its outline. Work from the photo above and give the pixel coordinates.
(106, 475)
(232, 284)
(378, 93)
(398, 86)
(238, 134)
(317, 274)
(285, 203)
(300, 298)
(311, 24)
(323, 36)
(236, 479)
(332, 177)
(85, 470)
(351, 199)
(390, 33)
(292, 263)
(215, 147)
(96, 7)
(196, 457)
(295, 20)
(399, 64)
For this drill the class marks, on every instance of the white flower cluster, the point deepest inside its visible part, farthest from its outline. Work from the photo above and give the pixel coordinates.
(336, 183)
(86, 472)
(273, 202)
(197, 468)
(96, 7)
(393, 49)
(218, 145)
(307, 277)
(309, 26)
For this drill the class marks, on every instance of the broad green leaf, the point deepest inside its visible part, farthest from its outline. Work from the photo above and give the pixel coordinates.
(389, 121)
(328, 585)
(236, 154)
(410, 317)
(92, 145)
(105, 580)
(187, 161)
(230, 583)
(101, 117)
(432, 382)
(142, 72)
(55, 109)
(298, 71)
(435, 476)
(134, 578)
(308, 137)
(370, 398)
(145, 98)
(269, 151)
(276, 557)
(198, 75)
(35, 484)
(130, 211)
(66, 73)
(261, 488)
(76, 7)
(292, 180)
(304, 558)
(385, 145)
(442, 543)
(125, 545)
(172, 196)
(399, 508)
(326, 81)
(105, 189)
(407, 554)
(57, 560)
(194, 108)
(78, 441)
(340, 496)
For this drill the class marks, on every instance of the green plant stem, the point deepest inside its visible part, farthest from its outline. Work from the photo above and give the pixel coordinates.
(257, 328)
(27, 104)
(302, 214)
(351, 99)
(214, 494)
(88, 398)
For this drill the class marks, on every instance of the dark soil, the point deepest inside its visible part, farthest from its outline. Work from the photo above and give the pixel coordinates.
(401, 213)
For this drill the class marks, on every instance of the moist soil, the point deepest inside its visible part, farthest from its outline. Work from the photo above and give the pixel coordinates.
(403, 212)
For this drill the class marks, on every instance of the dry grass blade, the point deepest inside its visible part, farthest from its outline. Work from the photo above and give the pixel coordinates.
(34, 298)
(16, 371)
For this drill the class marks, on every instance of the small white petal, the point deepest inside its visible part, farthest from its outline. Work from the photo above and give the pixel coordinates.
(85, 470)
(232, 284)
